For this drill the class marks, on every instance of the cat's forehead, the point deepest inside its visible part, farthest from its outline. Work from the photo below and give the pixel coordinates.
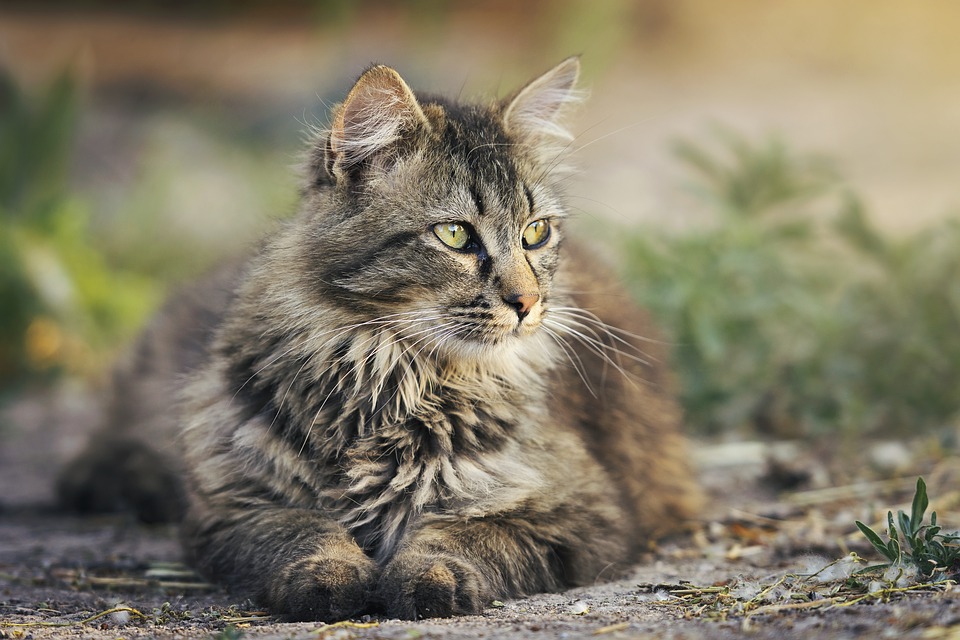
(481, 157)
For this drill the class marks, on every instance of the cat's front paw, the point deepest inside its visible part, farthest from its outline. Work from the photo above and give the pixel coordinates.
(325, 587)
(429, 585)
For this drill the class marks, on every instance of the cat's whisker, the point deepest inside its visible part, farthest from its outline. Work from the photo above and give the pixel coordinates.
(339, 332)
(614, 333)
(441, 334)
(588, 315)
(427, 333)
(575, 361)
(390, 325)
(599, 348)
(396, 327)
(629, 376)
(587, 333)
(316, 417)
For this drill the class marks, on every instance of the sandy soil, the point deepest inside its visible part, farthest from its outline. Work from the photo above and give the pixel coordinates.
(104, 578)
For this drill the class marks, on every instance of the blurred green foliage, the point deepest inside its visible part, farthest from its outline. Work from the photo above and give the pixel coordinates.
(61, 303)
(81, 270)
(791, 313)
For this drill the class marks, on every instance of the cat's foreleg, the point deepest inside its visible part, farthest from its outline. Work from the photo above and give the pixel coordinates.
(299, 563)
(458, 566)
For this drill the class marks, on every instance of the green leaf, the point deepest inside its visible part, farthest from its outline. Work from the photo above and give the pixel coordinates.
(893, 550)
(875, 540)
(920, 503)
(872, 536)
(875, 568)
(891, 527)
(905, 526)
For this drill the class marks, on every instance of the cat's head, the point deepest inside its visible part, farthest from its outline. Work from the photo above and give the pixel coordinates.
(441, 218)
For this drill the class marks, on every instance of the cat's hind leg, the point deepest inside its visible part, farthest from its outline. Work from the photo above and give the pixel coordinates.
(118, 474)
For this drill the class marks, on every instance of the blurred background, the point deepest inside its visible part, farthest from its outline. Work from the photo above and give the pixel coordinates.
(779, 180)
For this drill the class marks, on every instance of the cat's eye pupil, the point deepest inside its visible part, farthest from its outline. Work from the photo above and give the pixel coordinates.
(452, 234)
(536, 234)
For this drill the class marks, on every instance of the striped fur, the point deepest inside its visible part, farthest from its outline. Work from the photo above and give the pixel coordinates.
(378, 423)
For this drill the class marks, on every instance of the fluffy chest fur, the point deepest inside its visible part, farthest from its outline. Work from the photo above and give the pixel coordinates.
(420, 436)
(380, 435)
(458, 465)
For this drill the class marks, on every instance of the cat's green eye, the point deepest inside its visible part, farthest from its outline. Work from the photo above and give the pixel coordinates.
(536, 234)
(452, 234)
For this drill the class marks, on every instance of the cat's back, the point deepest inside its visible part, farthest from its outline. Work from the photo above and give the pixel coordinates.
(134, 461)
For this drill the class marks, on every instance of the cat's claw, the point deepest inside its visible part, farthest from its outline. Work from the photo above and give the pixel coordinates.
(426, 585)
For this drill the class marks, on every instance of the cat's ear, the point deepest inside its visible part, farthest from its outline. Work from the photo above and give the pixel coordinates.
(534, 113)
(377, 112)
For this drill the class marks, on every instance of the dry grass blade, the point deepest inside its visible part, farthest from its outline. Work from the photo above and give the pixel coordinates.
(348, 624)
(859, 490)
(248, 616)
(40, 623)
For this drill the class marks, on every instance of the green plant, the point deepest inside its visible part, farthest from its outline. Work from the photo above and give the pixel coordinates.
(82, 266)
(61, 303)
(934, 554)
(900, 312)
(740, 296)
(789, 312)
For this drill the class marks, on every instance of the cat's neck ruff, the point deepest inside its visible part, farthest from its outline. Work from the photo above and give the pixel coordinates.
(397, 377)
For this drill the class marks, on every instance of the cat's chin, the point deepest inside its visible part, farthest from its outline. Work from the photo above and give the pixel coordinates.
(523, 343)
(500, 335)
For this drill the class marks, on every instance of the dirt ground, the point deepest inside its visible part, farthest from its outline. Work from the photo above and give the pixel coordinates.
(740, 574)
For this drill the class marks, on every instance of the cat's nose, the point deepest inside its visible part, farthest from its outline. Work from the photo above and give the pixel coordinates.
(522, 302)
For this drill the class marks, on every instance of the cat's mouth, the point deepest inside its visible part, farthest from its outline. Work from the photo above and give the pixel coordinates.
(527, 327)
(499, 333)
(457, 329)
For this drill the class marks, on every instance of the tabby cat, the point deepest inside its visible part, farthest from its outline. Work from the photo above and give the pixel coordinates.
(412, 399)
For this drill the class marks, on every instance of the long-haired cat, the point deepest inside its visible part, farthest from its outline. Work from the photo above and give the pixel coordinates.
(419, 395)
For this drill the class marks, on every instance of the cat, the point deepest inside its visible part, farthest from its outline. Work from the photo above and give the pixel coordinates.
(415, 397)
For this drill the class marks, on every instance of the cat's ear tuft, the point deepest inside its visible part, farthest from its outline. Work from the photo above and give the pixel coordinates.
(535, 112)
(378, 110)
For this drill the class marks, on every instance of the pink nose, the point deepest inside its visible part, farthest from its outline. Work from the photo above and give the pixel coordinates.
(522, 302)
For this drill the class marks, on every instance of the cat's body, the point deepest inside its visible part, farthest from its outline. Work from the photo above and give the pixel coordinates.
(404, 401)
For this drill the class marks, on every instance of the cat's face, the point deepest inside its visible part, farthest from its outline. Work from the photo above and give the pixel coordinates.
(449, 230)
